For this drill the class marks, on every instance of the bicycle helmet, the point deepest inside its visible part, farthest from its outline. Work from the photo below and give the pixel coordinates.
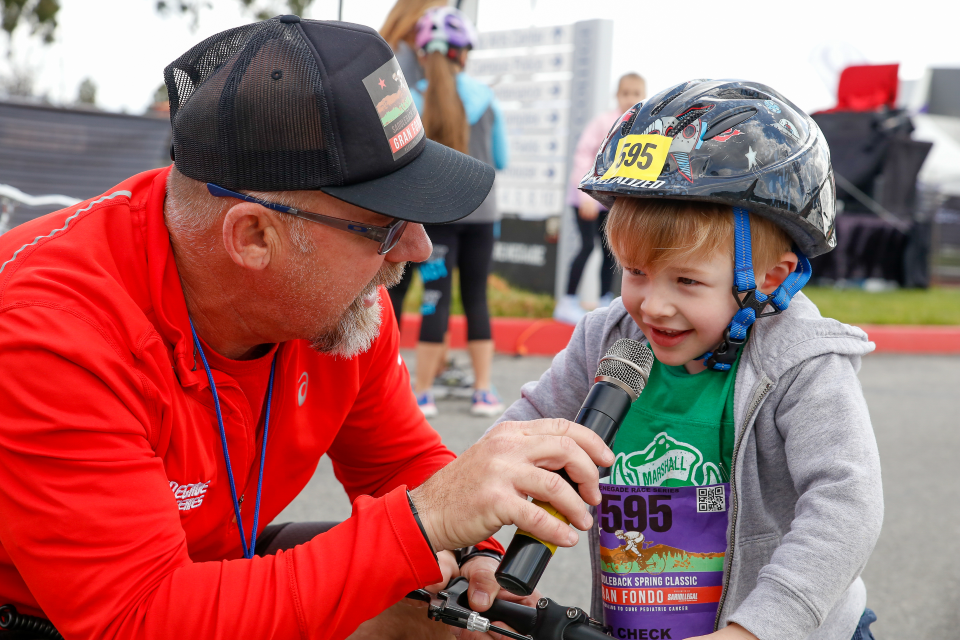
(729, 142)
(446, 30)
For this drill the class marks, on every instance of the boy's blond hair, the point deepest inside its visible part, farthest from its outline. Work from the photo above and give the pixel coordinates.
(645, 232)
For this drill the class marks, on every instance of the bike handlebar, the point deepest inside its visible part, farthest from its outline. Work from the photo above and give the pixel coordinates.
(517, 616)
(548, 621)
(583, 632)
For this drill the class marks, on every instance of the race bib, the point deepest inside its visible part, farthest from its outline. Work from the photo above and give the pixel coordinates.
(661, 559)
(640, 157)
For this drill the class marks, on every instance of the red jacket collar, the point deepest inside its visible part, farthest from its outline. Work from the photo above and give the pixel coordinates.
(166, 291)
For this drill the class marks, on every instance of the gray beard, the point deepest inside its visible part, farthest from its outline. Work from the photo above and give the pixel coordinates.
(359, 325)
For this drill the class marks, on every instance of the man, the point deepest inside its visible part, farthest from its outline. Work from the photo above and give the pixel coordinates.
(177, 354)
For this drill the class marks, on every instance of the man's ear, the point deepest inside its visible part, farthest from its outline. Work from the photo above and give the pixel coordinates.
(250, 236)
(779, 272)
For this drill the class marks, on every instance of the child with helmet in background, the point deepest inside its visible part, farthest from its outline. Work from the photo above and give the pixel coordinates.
(462, 113)
(748, 462)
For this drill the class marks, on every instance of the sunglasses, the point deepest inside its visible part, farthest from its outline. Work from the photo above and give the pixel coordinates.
(387, 236)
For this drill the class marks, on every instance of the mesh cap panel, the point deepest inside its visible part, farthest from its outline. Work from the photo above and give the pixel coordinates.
(248, 111)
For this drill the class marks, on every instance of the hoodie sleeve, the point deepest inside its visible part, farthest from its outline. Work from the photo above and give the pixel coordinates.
(839, 510)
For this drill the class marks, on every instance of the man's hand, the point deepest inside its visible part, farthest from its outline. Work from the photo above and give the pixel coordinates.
(729, 632)
(449, 570)
(483, 590)
(487, 487)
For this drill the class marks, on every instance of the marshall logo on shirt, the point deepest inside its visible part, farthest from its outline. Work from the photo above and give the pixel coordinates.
(391, 96)
(189, 496)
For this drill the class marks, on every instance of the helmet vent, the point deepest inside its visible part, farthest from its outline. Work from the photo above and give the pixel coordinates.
(663, 103)
(741, 93)
(628, 123)
(729, 120)
(692, 114)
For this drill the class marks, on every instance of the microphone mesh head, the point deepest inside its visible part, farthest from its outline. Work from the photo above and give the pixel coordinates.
(627, 362)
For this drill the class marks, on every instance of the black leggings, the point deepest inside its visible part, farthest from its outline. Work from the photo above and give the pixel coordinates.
(468, 247)
(589, 230)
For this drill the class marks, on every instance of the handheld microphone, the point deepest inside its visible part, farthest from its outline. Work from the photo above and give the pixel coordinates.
(621, 376)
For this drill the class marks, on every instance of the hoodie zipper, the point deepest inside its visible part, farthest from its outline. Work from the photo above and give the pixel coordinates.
(758, 397)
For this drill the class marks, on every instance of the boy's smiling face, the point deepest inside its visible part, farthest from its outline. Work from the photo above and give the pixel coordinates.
(682, 307)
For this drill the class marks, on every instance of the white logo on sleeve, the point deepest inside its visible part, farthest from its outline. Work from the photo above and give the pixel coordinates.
(302, 388)
(189, 496)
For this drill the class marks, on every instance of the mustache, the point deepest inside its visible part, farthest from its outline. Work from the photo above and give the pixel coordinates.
(389, 275)
(359, 325)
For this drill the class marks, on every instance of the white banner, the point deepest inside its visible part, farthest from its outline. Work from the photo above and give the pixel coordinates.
(530, 201)
(539, 37)
(542, 91)
(521, 173)
(482, 66)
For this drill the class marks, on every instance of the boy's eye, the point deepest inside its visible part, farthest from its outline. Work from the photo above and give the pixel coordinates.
(636, 272)
(687, 281)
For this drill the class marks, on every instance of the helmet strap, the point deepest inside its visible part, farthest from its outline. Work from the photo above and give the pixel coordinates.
(752, 302)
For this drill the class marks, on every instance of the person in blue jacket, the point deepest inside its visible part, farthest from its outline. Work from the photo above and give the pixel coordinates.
(462, 113)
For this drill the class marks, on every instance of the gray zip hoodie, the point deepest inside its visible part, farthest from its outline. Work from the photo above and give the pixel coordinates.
(807, 503)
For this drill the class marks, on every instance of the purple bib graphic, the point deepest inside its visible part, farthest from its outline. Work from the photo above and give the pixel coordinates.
(661, 559)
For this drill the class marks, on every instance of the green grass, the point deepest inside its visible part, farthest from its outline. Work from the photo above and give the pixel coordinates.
(935, 306)
(904, 306)
(504, 301)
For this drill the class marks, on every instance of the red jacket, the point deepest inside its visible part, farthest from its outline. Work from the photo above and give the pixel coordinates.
(116, 519)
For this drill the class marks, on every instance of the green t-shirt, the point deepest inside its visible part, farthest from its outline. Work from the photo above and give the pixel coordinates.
(680, 431)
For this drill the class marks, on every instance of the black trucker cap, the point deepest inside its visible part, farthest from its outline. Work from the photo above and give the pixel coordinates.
(289, 104)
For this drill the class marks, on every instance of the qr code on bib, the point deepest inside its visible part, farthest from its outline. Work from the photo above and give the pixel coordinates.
(711, 499)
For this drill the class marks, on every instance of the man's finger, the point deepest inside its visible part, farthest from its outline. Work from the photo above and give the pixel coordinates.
(483, 584)
(589, 441)
(537, 522)
(550, 487)
(554, 453)
(448, 571)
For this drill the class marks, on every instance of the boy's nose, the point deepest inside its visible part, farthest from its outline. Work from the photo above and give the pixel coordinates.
(657, 306)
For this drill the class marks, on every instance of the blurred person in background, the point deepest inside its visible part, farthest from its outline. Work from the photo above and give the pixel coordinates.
(590, 214)
(463, 114)
(400, 32)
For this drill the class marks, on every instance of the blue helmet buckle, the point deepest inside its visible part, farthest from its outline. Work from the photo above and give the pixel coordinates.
(751, 302)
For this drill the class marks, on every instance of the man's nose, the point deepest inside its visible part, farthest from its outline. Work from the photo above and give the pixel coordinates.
(414, 245)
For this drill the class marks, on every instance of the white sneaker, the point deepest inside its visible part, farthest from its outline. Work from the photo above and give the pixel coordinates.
(605, 300)
(568, 310)
(426, 404)
(486, 403)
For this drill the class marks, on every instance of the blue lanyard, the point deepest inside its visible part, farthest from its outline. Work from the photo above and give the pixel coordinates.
(248, 550)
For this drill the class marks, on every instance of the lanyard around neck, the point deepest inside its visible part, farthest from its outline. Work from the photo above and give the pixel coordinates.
(248, 550)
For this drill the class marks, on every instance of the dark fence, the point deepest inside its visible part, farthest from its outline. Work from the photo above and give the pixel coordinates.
(72, 152)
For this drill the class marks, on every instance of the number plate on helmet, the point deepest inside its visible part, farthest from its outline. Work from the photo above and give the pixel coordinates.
(640, 156)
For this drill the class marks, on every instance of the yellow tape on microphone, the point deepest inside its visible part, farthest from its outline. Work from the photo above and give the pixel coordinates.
(546, 506)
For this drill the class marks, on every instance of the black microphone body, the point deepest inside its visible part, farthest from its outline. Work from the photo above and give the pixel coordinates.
(603, 411)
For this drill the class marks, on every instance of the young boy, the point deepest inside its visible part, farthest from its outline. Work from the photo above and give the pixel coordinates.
(748, 465)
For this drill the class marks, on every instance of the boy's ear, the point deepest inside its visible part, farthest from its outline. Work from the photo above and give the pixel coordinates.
(779, 272)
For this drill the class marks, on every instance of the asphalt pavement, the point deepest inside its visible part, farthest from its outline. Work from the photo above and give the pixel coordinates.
(913, 578)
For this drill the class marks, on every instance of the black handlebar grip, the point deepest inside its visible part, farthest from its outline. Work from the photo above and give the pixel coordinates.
(583, 632)
(522, 619)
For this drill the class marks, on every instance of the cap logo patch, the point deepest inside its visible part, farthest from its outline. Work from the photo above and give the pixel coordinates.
(390, 95)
